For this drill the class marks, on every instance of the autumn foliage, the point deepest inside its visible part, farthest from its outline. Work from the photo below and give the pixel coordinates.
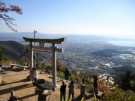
(59, 64)
(102, 87)
(3, 14)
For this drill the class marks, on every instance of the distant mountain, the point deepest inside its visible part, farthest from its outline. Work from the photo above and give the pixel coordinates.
(11, 50)
(72, 37)
(93, 38)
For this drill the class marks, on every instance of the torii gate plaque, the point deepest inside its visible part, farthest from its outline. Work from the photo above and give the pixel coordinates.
(41, 47)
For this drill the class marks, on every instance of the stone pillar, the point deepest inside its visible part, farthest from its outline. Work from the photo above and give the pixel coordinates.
(54, 68)
(42, 97)
(0, 78)
(82, 90)
(31, 61)
(42, 94)
(31, 56)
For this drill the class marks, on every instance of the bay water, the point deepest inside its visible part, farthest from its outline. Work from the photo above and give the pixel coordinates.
(123, 43)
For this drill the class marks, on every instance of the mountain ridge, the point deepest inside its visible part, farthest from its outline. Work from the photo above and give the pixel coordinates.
(70, 37)
(11, 50)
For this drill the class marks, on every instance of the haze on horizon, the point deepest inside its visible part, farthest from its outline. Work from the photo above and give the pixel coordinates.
(110, 18)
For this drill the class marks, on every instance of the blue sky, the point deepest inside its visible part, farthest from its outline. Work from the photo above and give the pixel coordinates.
(111, 18)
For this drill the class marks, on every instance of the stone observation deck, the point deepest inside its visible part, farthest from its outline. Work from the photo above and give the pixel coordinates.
(24, 89)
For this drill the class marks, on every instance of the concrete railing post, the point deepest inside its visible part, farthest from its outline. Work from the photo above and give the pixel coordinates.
(13, 97)
(82, 90)
(0, 78)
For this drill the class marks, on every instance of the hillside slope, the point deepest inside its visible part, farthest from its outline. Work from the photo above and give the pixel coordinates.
(11, 50)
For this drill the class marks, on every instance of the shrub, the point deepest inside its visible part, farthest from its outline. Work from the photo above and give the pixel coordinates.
(60, 74)
(119, 95)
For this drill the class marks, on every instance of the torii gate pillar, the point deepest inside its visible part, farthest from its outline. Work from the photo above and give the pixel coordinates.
(31, 56)
(54, 67)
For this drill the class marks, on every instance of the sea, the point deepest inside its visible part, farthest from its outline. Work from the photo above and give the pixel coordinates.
(123, 43)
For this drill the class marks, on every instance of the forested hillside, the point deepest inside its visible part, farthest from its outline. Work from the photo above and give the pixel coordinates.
(11, 50)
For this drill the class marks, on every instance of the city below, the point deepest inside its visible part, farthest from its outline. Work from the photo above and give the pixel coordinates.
(94, 57)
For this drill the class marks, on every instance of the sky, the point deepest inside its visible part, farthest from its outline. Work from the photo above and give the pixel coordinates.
(110, 18)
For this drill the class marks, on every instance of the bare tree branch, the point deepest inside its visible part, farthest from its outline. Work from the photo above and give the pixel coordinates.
(8, 20)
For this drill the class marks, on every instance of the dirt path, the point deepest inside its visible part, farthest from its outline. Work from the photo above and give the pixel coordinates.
(16, 80)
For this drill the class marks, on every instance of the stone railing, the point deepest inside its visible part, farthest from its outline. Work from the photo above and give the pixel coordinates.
(17, 65)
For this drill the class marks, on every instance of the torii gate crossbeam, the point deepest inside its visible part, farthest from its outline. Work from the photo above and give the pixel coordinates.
(54, 49)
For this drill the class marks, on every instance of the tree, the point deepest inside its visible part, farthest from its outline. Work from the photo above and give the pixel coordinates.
(8, 20)
(128, 81)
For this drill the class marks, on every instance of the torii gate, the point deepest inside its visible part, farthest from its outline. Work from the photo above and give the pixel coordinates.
(42, 47)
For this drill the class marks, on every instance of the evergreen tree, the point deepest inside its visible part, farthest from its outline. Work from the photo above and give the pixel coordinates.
(128, 81)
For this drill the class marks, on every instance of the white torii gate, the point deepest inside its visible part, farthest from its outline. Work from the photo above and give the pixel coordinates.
(42, 47)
